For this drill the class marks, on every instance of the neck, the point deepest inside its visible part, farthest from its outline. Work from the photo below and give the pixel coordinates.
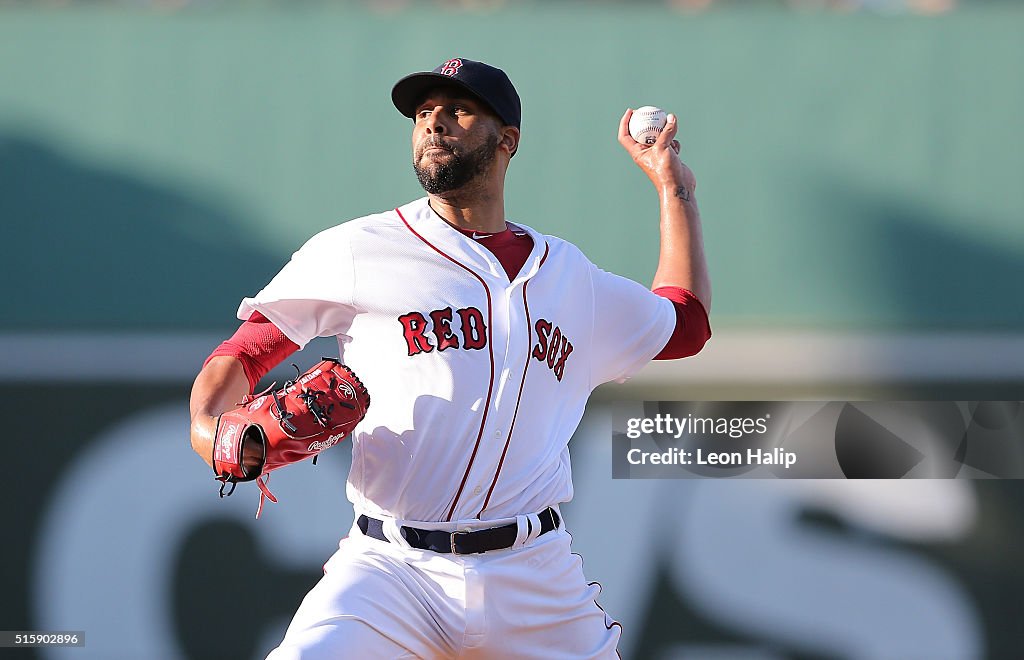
(473, 211)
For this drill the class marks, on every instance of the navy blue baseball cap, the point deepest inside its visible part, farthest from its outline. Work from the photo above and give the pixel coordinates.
(485, 82)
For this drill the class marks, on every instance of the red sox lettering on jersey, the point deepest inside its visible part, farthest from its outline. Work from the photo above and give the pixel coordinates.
(472, 330)
(479, 380)
(554, 353)
(552, 347)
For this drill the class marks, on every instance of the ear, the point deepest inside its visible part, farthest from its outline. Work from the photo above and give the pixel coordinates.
(509, 139)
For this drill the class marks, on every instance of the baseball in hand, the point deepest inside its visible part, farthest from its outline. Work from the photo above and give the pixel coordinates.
(647, 123)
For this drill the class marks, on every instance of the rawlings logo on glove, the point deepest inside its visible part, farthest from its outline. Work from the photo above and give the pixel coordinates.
(321, 445)
(277, 428)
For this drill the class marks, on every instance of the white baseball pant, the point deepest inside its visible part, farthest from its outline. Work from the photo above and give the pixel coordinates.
(389, 600)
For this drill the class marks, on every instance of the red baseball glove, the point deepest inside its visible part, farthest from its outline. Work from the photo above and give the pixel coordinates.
(284, 426)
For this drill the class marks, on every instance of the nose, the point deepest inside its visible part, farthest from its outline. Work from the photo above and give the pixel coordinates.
(434, 123)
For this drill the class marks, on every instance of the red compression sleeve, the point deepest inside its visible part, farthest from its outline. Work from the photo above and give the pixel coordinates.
(692, 327)
(259, 345)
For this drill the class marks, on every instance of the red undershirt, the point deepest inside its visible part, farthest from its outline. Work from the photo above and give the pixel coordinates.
(260, 346)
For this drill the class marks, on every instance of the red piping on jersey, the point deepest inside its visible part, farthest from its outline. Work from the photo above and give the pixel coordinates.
(515, 413)
(490, 351)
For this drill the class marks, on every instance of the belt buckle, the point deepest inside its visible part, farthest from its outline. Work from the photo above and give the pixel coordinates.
(454, 534)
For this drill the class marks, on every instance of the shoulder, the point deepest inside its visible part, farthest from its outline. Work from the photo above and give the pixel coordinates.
(557, 248)
(367, 226)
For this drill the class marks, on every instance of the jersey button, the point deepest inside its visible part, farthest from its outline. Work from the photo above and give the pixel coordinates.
(476, 491)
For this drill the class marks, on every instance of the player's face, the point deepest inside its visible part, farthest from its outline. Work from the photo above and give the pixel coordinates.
(454, 139)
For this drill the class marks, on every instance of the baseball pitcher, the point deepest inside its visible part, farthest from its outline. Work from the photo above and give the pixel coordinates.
(468, 346)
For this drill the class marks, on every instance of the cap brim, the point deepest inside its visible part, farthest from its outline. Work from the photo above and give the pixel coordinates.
(410, 90)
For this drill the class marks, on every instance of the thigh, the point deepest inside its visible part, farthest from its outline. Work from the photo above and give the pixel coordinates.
(368, 605)
(541, 606)
(338, 639)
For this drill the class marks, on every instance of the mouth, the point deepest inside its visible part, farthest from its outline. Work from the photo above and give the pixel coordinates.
(433, 153)
(435, 145)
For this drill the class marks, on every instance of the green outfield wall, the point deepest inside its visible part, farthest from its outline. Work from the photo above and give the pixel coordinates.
(859, 172)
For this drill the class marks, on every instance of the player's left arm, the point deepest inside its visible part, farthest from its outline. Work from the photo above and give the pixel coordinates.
(681, 261)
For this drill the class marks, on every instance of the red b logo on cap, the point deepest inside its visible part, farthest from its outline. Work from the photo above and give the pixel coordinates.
(451, 67)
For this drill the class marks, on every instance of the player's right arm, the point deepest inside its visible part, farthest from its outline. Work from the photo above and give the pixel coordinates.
(219, 387)
(308, 298)
(229, 374)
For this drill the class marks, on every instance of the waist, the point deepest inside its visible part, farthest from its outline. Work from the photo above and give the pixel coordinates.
(461, 538)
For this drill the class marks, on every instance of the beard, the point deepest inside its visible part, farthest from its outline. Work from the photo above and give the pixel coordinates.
(455, 170)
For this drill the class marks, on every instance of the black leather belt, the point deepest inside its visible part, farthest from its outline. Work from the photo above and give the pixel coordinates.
(460, 543)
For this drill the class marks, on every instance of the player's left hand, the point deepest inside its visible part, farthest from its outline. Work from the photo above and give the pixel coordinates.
(659, 161)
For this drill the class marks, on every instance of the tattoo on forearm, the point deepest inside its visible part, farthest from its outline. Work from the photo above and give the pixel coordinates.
(682, 193)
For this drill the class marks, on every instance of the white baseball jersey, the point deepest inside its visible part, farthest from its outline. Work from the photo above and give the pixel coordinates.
(477, 382)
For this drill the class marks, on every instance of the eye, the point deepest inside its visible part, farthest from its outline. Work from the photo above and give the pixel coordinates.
(423, 114)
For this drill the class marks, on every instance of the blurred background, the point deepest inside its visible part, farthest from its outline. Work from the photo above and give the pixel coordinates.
(860, 167)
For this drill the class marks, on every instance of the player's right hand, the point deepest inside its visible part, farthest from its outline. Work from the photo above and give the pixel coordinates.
(203, 430)
(252, 455)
